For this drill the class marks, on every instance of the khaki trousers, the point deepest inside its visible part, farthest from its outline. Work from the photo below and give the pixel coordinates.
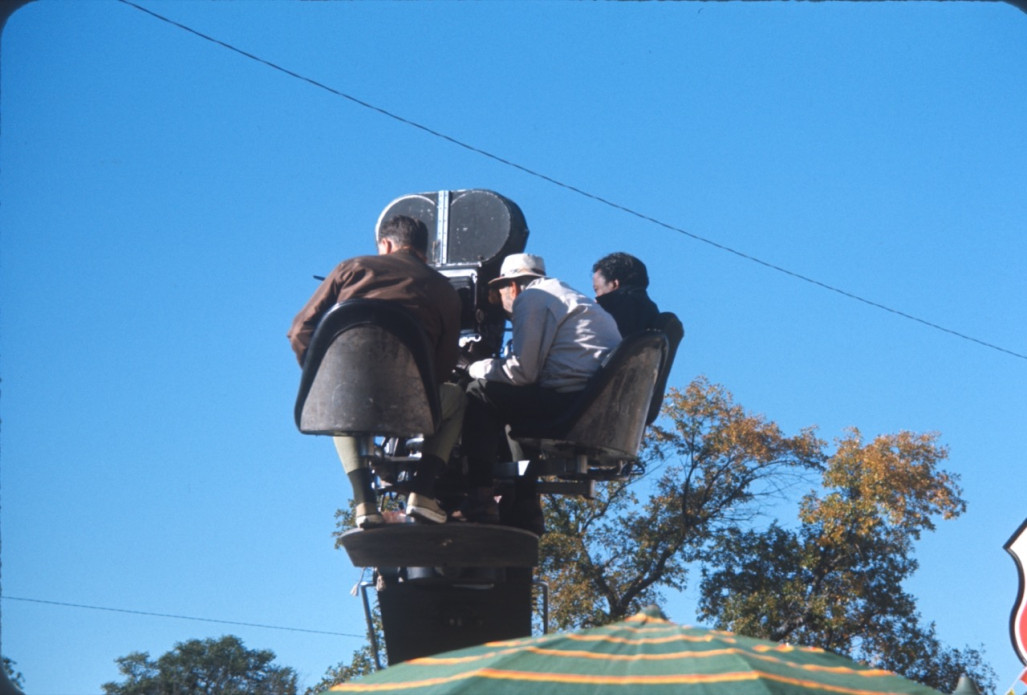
(452, 402)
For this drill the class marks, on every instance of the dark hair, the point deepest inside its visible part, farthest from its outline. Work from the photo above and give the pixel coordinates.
(405, 231)
(623, 267)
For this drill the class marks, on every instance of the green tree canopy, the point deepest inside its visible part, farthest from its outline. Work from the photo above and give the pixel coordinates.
(361, 664)
(12, 674)
(363, 660)
(204, 667)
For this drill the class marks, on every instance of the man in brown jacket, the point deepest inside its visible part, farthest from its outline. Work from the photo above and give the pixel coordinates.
(399, 273)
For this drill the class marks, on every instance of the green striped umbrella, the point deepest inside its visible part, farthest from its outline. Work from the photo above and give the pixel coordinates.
(644, 654)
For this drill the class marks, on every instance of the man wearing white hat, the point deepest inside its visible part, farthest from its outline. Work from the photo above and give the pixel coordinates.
(560, 337)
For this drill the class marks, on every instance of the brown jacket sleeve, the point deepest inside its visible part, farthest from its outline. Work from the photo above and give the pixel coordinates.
(324, 298)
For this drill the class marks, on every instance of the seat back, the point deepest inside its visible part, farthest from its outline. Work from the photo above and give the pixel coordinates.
(368, 370)
(668, 324)
(609, 418)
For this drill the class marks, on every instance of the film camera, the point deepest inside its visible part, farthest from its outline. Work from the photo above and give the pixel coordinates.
(471, 232)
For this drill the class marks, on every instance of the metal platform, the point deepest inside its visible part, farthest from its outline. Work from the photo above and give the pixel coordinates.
(441, 545)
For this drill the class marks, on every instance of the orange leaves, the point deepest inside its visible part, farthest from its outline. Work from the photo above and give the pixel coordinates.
(891, 484)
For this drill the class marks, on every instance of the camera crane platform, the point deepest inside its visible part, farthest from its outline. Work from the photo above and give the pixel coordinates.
(367, 374)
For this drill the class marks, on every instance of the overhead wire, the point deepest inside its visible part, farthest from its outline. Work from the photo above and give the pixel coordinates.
(66, 604)
(574, 189)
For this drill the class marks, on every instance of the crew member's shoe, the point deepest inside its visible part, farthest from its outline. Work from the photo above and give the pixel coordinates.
(480, 506)
(367, 516)
(424, 508)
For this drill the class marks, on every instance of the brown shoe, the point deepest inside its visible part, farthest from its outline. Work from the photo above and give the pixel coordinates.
(480, 507)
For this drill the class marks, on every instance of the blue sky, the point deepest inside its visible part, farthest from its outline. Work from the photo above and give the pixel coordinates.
(164, 202)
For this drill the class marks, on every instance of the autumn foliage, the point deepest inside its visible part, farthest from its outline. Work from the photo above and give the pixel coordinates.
(718, 480)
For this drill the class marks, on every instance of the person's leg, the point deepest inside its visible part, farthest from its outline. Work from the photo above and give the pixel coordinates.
(488, 406)
(353, 452)
(481, 438)
(523, 506)
(435, 453)
(452, 403)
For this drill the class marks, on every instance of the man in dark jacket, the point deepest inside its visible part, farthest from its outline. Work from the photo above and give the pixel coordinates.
(399, 273)
(620, 281)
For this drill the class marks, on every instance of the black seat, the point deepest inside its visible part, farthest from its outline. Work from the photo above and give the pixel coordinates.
(668, 324)
(368, 370)
(608, 419)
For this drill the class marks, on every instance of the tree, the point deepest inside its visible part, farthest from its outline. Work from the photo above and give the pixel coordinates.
(836, 581)
(362, 662)
(207, 667)
(713, 470)
(713, 465)
(14, 676)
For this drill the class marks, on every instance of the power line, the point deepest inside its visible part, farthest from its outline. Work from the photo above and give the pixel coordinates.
(574, 189)
(179, 617)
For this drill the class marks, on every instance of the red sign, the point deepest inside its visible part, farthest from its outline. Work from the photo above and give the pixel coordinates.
(1017, 547)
